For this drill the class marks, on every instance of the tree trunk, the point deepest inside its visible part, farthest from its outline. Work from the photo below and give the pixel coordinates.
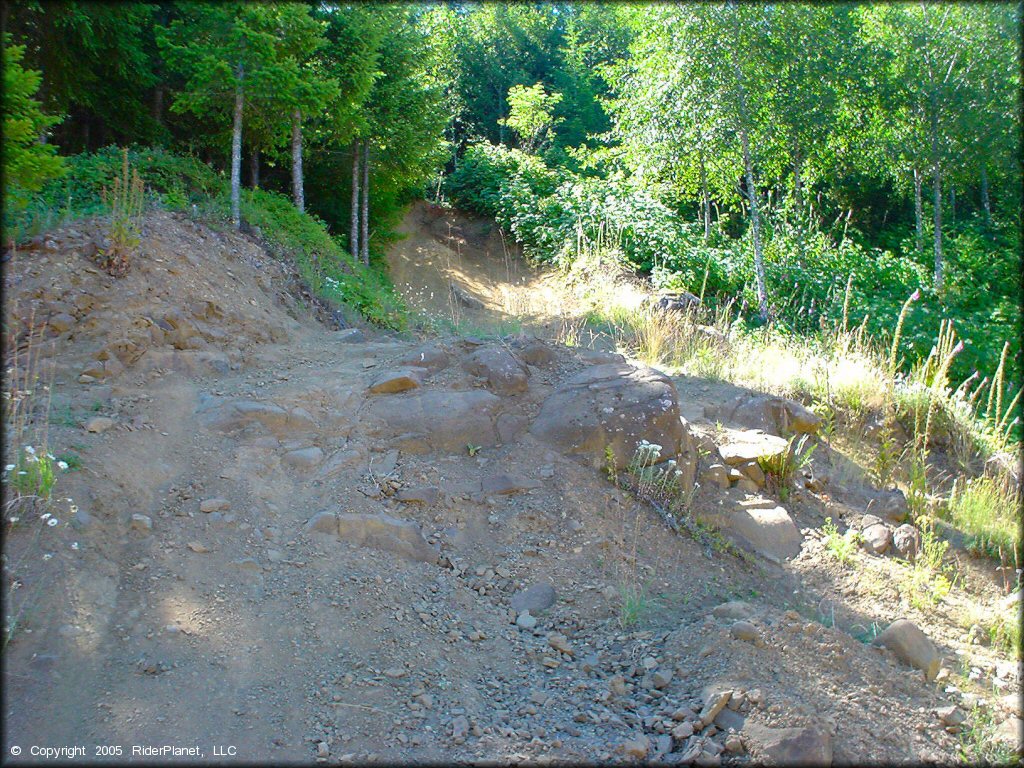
(353, 236)
(364, 235)
(755, 213)
(254, 169)
(937, 196)
(705, 198)
(158, 104)
(236, 154)
(918, 213)
(798, 183)
(952, 205)
(755, 220)
(985, 203)
(297, 190)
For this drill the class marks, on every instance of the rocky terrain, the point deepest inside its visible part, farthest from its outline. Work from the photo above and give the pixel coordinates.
(338, 545)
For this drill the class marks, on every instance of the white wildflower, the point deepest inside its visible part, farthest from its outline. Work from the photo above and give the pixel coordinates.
(63, 465)
(44, 515)
(30, 450)
(47, 556)
(52, 522)
(74, 545)
(9, 467)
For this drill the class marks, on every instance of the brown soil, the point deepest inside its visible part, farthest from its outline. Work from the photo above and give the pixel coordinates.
(240, 629)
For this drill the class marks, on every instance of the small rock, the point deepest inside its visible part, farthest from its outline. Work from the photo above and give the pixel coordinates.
(397, 381)
(715, 475)
(460, 727)
(61, 322)
(911, 646)
(637, 747)
(735, 609)
(536, 598)
(684, 713)
(560, 643)
(713, 704)
(733, 743)
(890, 505)
(142, 523)
(877, 538)
(323, 522)
(303, 458)
(214, 505)
(950, 716)
(617, 686)
(660, 678)
(526, 621)
(195, 546)
(744, 630)
(98, 424)
(906, 540)
(683, 731)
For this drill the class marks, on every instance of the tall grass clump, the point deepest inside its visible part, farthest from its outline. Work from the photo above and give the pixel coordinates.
(125, 199)
(983, 508)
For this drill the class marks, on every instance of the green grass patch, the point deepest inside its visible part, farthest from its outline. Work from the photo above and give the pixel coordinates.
(986, 510)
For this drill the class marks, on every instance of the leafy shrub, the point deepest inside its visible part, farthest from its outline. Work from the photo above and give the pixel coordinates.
(327, 268)
(173, 181)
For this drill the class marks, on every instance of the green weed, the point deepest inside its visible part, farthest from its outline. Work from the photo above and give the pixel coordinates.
(978, 742)
(985, 509)
(842, 547)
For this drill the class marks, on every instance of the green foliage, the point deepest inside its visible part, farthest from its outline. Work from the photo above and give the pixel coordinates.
(28, 164)
(634, 604)
(928, 581)
(979, 744)
(33, 475)
(327, 268)
(125, 201)
(531, 115)
(986, 510)
(780, 468)
(842, 547)
(173, 181)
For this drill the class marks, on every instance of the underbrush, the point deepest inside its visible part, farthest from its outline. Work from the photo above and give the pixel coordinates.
(183, 183)
(817, 278)
(856, 385)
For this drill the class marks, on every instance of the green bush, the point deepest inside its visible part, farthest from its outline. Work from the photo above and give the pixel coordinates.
(173, 181)
(327, 268)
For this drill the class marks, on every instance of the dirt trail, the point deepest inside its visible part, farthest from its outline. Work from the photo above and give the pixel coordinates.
(144, 620)
(494, 289)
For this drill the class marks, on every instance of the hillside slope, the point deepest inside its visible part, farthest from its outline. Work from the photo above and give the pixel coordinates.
(321, 545)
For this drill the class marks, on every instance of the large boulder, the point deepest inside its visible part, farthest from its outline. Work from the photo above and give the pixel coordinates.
(504, 372)
(788, 746)
(741, 448)
(911, 646)
(400, 537)
(770, 413)
(758, 525)
(232, 415)
(890, 504)
(441, 420)
(606, 411)
(431, 356)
